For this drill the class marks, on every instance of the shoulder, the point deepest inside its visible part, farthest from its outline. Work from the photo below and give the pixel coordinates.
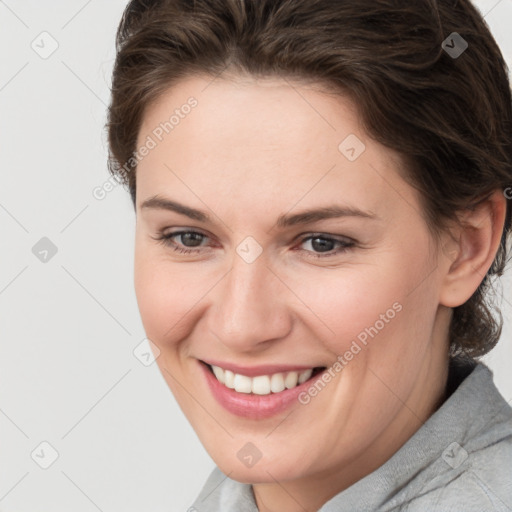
(482, 483)
(474, 474)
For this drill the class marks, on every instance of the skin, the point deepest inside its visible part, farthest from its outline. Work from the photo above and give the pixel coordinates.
(251, 151)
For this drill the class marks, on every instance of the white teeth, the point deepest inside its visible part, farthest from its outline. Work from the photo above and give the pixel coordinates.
(305, 375)
(243, 384)
(262, 384)
(290, 381)
(229, 378)
(219, 373)
(277, 383)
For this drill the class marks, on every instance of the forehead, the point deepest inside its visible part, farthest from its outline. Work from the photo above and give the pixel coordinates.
(263, 141)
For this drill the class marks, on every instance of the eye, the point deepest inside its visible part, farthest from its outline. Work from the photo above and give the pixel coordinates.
(322, 246)
(188, 241)
(319, 245)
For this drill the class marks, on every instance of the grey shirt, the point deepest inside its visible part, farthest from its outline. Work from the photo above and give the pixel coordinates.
(459, 460)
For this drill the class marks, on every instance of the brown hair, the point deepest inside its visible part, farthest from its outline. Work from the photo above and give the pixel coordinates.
(448, 116)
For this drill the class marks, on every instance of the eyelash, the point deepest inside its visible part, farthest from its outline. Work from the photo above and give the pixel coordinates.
(166, 239)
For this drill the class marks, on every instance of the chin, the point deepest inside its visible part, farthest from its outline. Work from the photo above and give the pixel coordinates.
(280, 468)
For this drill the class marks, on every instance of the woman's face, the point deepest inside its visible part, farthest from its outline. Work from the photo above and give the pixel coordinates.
(293, 244)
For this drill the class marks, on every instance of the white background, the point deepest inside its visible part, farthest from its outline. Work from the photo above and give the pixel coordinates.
(68, 327)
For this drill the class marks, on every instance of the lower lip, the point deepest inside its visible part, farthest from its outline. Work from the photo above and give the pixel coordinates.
(250, 405)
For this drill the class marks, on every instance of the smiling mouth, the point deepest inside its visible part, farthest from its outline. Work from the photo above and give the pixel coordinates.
(263, 384)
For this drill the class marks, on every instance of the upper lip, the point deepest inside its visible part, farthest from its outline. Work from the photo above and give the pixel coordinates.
(254, 371)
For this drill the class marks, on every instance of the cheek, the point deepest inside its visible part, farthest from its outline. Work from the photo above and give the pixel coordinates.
(350, 304)
(162, 296)
(379, 306)
(171, 296)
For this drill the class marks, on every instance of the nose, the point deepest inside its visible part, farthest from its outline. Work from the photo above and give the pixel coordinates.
(249, 307)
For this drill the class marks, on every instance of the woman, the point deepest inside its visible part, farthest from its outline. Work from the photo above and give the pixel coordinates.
(321, 197)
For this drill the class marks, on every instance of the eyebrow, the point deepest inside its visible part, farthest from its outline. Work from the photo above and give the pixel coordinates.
(283, 221)
(159, 203)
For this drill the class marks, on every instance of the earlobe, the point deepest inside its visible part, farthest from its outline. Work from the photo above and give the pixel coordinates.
(471, 250)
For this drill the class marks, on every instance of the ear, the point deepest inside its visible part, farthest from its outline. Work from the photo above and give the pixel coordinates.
(469, 252)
